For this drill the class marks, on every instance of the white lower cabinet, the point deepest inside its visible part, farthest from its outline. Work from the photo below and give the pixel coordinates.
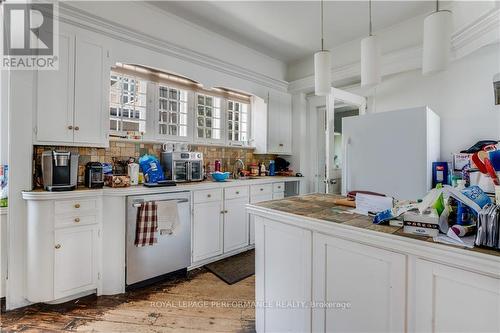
(256, 199)
(207, 230)
(360, 288)
(75, 260)
(317, 278)
(283, 265)
(235, 224)
(63, 248)
(449, 299)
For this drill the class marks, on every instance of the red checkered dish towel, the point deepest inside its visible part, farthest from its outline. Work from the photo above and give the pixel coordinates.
(146, 224)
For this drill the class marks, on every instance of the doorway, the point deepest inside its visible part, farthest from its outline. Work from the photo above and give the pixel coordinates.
(327, 153)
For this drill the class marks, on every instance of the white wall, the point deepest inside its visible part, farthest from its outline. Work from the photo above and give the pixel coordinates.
(461, 95)
(4, 118)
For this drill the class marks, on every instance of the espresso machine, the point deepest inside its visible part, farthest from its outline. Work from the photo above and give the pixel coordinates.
(59, 170)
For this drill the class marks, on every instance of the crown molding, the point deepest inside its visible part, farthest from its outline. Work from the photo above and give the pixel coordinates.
(85, 20)
(484, 31)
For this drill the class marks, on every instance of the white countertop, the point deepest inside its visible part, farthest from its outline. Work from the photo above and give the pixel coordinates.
(140, 190)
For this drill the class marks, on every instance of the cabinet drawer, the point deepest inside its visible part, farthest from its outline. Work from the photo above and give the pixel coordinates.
(236, 192)
(279, 187)
(76, 220)
(207, 195)
(74, 207)
(261, 189)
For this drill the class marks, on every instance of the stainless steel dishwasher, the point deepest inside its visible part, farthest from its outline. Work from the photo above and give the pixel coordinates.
(172, 252)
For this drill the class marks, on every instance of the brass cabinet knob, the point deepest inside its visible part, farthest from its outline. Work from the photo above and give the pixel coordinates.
(77, 219)
(58, 246)
(77, 206)
(209, 195)
(262, 189)
(281, 145)
(225, 212)
(70, 127)
(237, 192)
(77, 128)
(222, 212)
(279, 187)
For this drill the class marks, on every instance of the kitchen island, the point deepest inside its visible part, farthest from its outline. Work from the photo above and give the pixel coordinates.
(322, 268)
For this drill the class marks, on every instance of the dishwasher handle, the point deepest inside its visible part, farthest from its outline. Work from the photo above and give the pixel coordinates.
(137, 203)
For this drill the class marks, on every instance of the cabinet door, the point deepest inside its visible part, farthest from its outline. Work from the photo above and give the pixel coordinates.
(285, 121)
(443, 292)
(207, 230)
(280, 123)
(75, 260)
(256, 199)
(367, 283)
(235, 224)
(278, 195)
(283, 275)
(54, 100)
(91, 93)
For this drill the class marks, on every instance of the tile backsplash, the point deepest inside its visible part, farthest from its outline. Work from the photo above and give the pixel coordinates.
(125, 150)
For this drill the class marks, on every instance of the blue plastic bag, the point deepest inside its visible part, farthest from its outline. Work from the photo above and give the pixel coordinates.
(151, 169)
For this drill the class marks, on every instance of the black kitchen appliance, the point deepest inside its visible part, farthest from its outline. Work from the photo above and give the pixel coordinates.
(94, 176)
(59, 170)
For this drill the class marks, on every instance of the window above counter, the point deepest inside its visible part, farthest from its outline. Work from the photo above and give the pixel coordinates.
(150, 105)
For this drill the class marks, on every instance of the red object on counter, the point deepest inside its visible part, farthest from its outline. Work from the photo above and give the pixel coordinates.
(491, 171)
(217, 165)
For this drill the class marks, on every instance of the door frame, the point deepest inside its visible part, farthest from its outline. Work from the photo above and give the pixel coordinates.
(336, 96)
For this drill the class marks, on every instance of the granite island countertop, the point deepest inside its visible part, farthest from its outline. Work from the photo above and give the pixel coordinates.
(322, 207)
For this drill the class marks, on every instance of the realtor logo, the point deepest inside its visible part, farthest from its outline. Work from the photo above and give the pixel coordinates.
(29, 36)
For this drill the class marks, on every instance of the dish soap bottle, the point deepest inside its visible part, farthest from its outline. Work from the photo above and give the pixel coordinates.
(272, 168)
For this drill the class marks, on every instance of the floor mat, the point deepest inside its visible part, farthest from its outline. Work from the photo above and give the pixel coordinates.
(235, 268)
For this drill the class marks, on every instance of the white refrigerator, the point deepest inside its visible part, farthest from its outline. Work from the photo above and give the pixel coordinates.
(391, 152)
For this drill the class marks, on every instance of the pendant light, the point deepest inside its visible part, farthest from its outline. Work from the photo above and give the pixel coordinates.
(437, 41)
(370, 56)
(322, 67)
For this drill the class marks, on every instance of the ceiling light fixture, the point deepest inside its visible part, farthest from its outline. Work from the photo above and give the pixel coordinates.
(370, 56)
(322, 67)
(437, 41)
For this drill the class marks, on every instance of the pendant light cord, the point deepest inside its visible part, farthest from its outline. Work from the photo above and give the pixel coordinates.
(370, 16)
(437, 5)
(322, 41)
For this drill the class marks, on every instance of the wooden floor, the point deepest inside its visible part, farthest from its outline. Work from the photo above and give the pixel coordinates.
(200, 303)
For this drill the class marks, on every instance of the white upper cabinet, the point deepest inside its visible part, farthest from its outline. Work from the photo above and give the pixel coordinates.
(54, 96)
(71, 103)
(91, 93)
(272, 124)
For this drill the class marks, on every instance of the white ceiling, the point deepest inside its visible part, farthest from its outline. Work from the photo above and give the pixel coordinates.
(290, 30)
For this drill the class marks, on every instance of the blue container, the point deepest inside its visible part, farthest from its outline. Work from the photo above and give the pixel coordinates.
(440, 173)
(220, 176)
(272, 168)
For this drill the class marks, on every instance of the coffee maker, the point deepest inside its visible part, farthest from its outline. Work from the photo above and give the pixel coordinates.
(94, 176)
(59, 170)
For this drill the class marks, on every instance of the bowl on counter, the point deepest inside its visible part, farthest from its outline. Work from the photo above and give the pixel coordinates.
(220, 176)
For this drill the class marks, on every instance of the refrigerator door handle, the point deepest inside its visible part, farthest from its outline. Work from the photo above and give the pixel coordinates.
(345, 168)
